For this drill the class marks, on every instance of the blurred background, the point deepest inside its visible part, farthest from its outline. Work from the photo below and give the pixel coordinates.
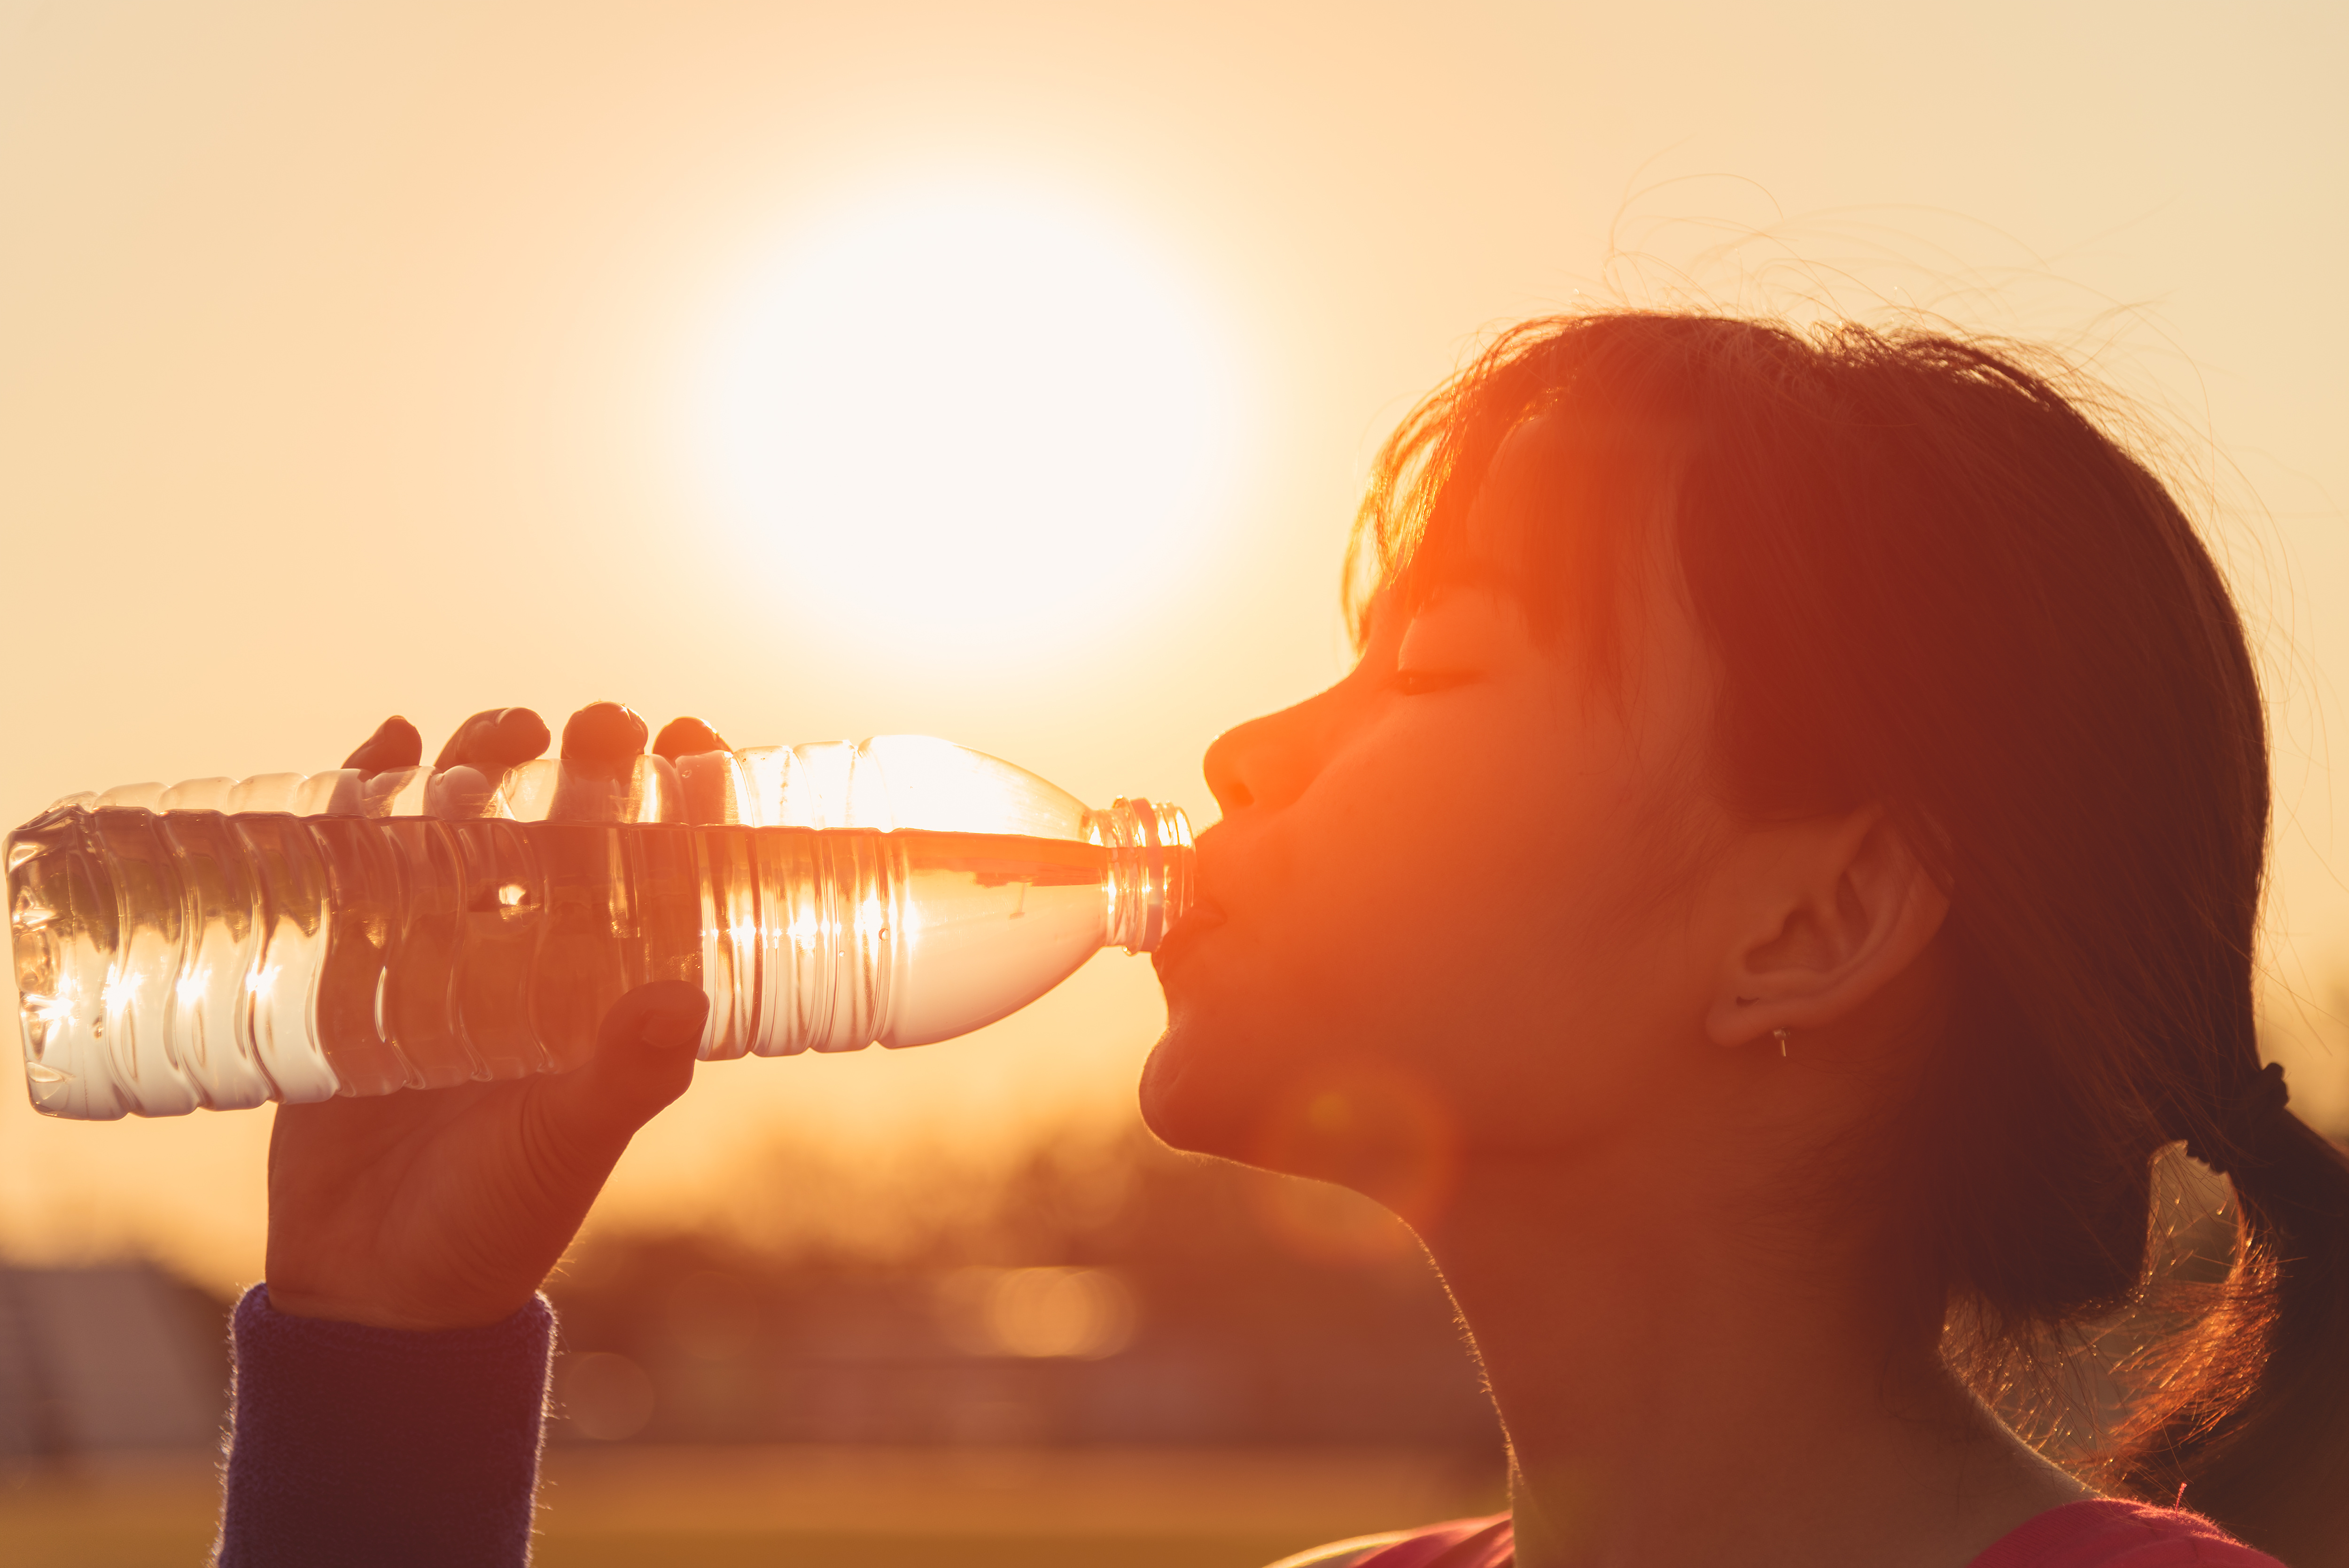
(1006, 373)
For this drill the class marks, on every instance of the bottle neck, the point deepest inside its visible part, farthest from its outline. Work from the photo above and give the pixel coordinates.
(1151, 869)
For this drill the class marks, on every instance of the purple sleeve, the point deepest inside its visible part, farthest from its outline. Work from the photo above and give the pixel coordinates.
(361, 1446)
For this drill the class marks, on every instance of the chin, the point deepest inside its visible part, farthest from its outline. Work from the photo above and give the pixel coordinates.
(1279, 1104)
(1206, 1090)
(1190, 1100)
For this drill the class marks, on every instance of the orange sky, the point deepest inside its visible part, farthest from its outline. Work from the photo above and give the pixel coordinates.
(343, 351)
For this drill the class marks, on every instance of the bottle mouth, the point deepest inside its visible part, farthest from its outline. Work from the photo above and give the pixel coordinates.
(1151, 872)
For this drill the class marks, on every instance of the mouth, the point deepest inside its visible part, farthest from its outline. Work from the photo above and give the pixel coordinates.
(1197, 921)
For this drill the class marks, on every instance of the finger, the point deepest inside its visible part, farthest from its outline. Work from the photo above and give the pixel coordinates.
(494, 738)
(394, 744)
(603, 732)
(687, 737)
(643, 1060)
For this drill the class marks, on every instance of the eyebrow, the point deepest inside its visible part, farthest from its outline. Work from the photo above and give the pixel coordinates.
(1475, 573)
(1478, 572)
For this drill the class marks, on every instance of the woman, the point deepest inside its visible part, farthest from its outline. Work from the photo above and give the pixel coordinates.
(1796, 828)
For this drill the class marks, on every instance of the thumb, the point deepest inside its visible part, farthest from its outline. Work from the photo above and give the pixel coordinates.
(643, 1060)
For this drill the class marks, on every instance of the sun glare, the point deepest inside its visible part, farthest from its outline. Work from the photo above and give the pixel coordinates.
(967, 420)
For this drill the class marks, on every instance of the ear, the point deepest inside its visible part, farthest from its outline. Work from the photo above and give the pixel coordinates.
(1824, 915)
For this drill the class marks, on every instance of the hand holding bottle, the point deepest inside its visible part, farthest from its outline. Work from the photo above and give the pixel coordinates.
(447, 1209)
(544, 946)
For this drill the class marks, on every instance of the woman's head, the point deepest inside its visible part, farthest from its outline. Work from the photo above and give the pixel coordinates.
(1893, 600)
(1480, 898)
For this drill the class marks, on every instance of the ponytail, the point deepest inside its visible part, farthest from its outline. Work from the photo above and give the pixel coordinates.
(2251, 1423)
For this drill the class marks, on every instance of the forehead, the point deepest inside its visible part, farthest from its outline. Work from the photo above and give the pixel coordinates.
(1483, 545)
(1555, 520)
(1572, 529)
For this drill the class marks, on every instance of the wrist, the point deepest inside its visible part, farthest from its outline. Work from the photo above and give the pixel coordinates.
(373, 1312)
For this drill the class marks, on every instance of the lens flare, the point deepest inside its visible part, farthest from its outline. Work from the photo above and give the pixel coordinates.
(1355, 1129)
(966, 418)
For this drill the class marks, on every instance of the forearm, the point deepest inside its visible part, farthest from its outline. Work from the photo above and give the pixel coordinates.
(357, 1446)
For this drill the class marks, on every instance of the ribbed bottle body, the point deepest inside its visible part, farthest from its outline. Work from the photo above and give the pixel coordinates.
(175, 959)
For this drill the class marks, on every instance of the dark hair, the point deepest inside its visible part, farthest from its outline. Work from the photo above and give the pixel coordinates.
(1933, 583)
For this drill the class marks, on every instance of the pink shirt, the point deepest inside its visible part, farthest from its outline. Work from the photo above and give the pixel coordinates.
(2102, 1534)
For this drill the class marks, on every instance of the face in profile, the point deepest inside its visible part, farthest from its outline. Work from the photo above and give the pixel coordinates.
(1445, 908)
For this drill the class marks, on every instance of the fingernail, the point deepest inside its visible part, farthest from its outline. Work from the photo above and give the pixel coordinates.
(394, 744)
(603, 732)
(687, 737)
(521, 734)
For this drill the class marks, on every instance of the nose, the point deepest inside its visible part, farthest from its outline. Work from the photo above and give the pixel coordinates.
(1269, 761)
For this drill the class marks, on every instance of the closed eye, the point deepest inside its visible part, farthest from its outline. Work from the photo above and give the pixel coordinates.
(1453, 641)
(1423, 683)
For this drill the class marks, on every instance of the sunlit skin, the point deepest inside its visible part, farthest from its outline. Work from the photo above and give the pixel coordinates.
(448, 1209)
(444, 1209)
(1478, 938)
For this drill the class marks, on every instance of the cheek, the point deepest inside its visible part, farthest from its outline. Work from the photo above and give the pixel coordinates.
(1460, 940)
(1348, 922)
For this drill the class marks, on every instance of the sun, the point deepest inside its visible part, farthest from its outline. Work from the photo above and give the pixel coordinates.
(968, 419)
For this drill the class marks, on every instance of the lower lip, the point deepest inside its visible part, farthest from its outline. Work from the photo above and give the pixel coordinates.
(1196, 921)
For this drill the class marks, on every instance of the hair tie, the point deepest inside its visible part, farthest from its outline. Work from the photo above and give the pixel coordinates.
(2244, 1123)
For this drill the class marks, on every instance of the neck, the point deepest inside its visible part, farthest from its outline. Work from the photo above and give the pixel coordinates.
(1683, 1383)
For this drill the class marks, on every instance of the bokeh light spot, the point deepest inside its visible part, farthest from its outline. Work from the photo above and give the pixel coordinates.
(607, 1396)
(1083, 1312)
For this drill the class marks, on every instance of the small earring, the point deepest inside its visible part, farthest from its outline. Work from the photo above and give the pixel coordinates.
(1780, 1035)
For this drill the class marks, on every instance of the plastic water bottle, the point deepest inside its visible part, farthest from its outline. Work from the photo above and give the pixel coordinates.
(295, 936)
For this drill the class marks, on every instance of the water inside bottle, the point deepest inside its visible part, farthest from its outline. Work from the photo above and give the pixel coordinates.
(221, 959)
